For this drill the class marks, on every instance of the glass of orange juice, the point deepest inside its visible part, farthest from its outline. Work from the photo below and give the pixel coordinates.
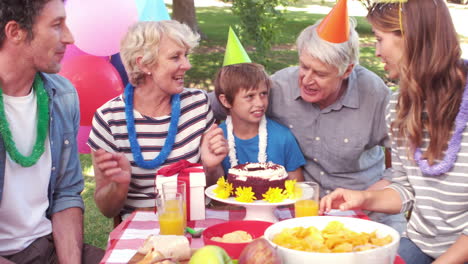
(308, 202)
(170, 214)
(173, 187)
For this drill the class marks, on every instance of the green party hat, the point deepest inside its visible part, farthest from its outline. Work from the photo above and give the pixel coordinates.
(235, 53)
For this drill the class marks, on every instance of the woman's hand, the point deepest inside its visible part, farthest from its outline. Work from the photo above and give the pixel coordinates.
(112, 173)
(342, 199)
(113, 167)
(456, 253)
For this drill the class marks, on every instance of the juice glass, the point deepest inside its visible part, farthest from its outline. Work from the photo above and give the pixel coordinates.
(170, 215)
(308, 203)
(169, 189)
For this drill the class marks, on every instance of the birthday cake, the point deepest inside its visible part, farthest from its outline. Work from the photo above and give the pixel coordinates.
(259, 176)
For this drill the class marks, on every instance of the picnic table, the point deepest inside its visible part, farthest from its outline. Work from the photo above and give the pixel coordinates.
(129, 235)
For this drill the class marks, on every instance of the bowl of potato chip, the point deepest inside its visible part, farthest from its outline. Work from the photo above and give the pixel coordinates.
(333, 239)
(233, 236)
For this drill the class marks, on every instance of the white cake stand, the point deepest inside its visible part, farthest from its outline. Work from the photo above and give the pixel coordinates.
(257, 210)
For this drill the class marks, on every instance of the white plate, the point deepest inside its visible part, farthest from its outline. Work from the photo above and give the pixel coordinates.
(257, 210)
(209, 192)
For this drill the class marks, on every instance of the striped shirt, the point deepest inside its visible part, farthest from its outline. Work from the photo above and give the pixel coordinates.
(109, 132)
(439, 203)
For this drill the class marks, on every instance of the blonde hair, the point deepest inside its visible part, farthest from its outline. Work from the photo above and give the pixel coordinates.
(432, 74)
(143, 39)
(340, 55)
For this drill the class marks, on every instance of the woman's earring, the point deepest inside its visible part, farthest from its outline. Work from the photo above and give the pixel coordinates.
(149, 73)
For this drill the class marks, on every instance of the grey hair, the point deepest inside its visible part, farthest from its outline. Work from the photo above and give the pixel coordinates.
(339, 55)
(143, 39)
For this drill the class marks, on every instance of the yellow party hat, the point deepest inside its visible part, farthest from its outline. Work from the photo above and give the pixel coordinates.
(235, 52)
(335, 26)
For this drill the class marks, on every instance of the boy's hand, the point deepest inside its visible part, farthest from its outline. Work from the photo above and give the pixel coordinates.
(214, 147)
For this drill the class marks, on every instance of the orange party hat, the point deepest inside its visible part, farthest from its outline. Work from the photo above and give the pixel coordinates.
(335, 26)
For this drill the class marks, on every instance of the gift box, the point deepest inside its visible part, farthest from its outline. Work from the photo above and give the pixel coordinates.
(195, 181)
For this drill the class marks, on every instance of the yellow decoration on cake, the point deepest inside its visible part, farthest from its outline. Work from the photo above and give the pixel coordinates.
(224, 188)
(245, 195)
(274, 195)
(290, 189)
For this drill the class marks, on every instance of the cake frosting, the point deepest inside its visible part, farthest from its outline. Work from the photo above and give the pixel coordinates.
(259, 176)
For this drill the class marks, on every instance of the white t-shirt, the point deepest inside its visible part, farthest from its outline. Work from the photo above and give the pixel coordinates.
(24, 202)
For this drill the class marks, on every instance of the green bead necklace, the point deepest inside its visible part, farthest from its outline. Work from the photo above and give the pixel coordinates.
(42, 127)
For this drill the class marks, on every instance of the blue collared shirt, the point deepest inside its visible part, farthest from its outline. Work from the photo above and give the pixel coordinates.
(66, 179)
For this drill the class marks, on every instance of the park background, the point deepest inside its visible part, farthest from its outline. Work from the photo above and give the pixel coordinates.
(213, 18)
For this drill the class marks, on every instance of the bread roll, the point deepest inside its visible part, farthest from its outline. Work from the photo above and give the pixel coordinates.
(170, 246)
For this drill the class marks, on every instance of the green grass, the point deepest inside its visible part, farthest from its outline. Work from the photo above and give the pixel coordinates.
(96, 226)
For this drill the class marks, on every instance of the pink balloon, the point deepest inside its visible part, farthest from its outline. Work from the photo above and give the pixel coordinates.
(73, 51)
(82, 138)
(96, 81)
(99, 25)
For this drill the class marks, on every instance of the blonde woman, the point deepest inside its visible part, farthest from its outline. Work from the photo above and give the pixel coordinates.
(155, 122)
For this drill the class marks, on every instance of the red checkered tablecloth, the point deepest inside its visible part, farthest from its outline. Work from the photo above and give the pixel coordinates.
(126, 238)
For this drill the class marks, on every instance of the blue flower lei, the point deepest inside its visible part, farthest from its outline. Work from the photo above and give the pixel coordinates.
(454, 144)
(132, 137)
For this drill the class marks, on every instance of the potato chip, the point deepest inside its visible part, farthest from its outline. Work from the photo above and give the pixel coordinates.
(335, 237)
(237, 236)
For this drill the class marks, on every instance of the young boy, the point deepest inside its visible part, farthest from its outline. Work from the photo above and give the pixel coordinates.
(243, 90)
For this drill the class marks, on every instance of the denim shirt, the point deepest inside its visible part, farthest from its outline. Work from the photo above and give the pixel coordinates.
(66, 179)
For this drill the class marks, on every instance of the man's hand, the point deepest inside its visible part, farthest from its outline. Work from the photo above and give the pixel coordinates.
(67, 230)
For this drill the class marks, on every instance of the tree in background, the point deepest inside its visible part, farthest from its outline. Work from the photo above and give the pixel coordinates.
(184, 12)
(259, 21)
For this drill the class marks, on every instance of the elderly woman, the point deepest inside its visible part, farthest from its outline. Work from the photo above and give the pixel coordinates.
(428, 119)
(155, 122)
